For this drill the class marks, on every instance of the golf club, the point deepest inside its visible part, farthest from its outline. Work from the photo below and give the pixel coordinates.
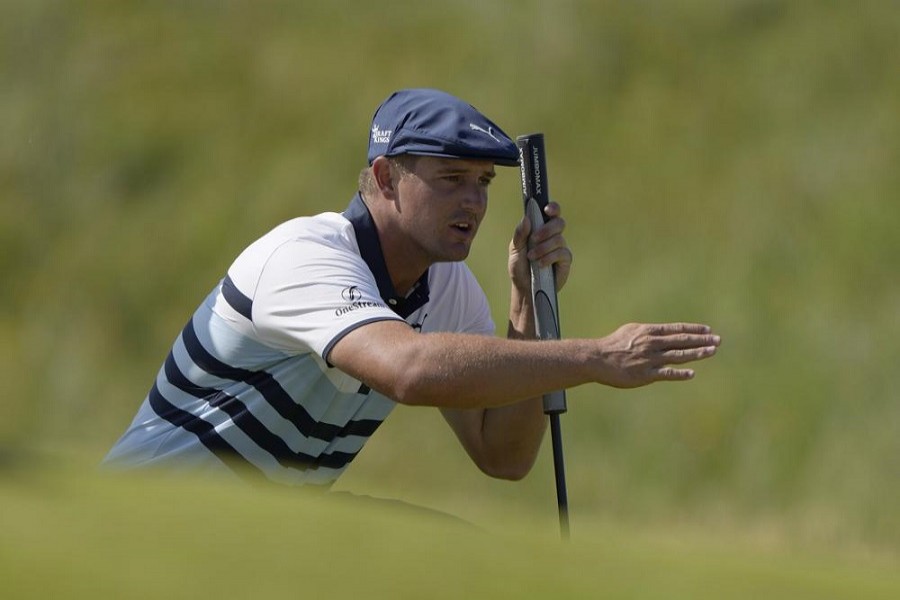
(535, 194)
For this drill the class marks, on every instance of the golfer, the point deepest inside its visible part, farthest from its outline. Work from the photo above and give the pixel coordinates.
(324, 324)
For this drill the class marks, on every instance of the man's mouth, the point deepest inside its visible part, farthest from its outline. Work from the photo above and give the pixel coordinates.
(465, 229)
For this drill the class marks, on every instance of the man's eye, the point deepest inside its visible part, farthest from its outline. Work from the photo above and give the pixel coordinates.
(485, 181)
(451, 178)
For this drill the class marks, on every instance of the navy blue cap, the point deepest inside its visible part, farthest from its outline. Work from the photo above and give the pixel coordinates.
(434, 123)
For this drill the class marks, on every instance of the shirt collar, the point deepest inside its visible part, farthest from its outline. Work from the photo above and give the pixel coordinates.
(370, 250)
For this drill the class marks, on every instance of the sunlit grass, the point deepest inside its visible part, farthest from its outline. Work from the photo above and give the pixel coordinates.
(70, 532)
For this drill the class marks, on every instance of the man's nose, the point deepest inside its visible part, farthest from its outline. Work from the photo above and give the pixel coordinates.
(475, 198)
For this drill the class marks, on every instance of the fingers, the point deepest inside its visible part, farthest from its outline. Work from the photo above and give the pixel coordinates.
(549, 230)
(520, 235)
(684, 341)
(563, 267)
(553, 209)
(681, 356)
(671, 374)
(523, 229)
(519, 270)
(550, 255)
(549, 252)
(677, 347)
(680, 336)
(546, 245)
(679, 343)
(675, 328)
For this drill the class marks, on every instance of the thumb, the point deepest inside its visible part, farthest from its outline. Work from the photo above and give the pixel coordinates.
(520, 235)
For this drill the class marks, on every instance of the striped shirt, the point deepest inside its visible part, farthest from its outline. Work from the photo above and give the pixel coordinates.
(247, 388)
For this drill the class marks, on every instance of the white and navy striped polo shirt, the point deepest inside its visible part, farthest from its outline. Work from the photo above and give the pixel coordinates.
(247, 383)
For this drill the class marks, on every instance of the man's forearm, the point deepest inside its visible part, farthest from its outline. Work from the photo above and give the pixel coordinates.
(470, 371)
(504, 441)
(512, 434)
(467, 371)
(521, 316)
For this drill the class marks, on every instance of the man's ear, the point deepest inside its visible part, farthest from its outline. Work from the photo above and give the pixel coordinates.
(386, 177)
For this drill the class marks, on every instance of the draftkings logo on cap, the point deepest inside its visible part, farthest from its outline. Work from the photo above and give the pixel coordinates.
(380, 136)
(434, 123)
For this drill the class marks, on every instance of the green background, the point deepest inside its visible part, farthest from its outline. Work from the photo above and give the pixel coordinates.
(730, 162)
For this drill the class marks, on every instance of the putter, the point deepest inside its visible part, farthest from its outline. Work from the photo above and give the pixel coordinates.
(533, 165)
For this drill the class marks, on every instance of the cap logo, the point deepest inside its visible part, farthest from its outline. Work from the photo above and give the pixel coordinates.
(489, 131)
(381, 136)
(429, 122)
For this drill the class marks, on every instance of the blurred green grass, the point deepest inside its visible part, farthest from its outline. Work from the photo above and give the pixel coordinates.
(727, 162)
(143, 537)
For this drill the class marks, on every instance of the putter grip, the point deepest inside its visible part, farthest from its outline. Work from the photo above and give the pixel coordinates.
(535, 194)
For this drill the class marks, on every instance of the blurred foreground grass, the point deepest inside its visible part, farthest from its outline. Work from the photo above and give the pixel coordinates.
(73, 533)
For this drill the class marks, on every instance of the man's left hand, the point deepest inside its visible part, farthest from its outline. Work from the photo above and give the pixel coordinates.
(547, 246)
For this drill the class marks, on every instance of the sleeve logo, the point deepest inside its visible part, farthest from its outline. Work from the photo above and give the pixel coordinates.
(351, 294)
(353, 297)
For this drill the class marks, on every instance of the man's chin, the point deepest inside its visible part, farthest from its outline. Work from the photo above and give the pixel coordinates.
(455, 255)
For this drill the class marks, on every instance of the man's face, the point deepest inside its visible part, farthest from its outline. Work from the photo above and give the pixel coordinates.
(442, 202)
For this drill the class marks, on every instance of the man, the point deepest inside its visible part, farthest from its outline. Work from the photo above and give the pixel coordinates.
(322, 325)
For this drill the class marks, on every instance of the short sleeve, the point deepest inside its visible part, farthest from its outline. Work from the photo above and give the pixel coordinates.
(310, 294)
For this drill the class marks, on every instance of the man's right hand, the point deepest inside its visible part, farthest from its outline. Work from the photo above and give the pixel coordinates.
(637, 354)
